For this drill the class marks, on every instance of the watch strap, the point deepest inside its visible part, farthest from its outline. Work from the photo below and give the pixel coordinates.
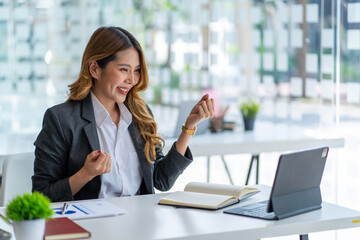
(188, 131)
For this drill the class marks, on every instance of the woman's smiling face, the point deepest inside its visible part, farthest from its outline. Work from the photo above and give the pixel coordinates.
(117, 78)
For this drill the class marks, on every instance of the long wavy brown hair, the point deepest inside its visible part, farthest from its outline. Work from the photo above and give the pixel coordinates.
(102, 47)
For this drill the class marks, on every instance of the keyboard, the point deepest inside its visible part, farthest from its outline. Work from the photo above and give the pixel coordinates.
(257, 210)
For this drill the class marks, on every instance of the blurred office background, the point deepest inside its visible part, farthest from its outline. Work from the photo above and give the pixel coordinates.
(299, 58)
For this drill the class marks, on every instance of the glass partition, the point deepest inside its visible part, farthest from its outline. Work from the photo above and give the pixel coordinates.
(299, 58)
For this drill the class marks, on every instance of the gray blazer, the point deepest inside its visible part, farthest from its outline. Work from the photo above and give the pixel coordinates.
(69, 134)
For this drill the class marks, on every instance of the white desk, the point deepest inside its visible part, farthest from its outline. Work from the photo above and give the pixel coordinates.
(148, 220)
(14, 143)
(266, 137)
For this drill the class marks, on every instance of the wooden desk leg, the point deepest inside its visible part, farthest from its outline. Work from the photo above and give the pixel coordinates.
(304, 237)
(208, 169)
(227, 169)
(257, 159)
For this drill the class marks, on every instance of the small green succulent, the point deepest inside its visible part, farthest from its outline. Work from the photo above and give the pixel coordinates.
(29, 206)
(249, 109)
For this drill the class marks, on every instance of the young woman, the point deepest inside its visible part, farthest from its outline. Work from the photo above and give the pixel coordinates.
(103, 142)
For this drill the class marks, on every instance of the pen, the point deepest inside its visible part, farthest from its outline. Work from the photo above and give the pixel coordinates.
(63, 210)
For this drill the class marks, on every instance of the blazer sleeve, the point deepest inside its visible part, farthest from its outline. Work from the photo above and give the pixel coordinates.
(51, 154)
(169, 167)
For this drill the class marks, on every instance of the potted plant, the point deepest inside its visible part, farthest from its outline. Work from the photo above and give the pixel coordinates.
(249, 110)
(28, 213)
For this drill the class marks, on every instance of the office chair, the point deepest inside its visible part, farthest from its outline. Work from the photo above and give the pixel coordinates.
(16, 177)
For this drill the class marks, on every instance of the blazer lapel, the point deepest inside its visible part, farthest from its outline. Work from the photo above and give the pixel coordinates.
(87, 113)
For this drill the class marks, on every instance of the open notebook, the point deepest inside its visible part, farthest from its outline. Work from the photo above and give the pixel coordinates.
(208, 195)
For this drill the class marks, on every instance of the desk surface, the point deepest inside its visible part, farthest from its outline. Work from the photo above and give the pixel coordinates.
(13, 143)
(266, 137)
(148, 220)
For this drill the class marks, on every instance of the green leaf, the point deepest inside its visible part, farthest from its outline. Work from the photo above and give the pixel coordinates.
(29, 206)
(249, 109)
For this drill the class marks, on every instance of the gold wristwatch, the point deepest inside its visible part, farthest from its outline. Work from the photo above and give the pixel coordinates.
(188, 131)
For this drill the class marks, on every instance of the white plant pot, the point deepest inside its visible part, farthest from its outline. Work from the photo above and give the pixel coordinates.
(29, 229)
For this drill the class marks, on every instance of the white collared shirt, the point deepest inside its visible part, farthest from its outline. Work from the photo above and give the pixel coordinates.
(124, 178)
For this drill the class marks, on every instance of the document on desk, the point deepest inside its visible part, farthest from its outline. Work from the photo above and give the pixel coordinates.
(87, 209)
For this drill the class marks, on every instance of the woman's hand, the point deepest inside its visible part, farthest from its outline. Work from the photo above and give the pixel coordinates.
(202, 110)
(97, 163)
